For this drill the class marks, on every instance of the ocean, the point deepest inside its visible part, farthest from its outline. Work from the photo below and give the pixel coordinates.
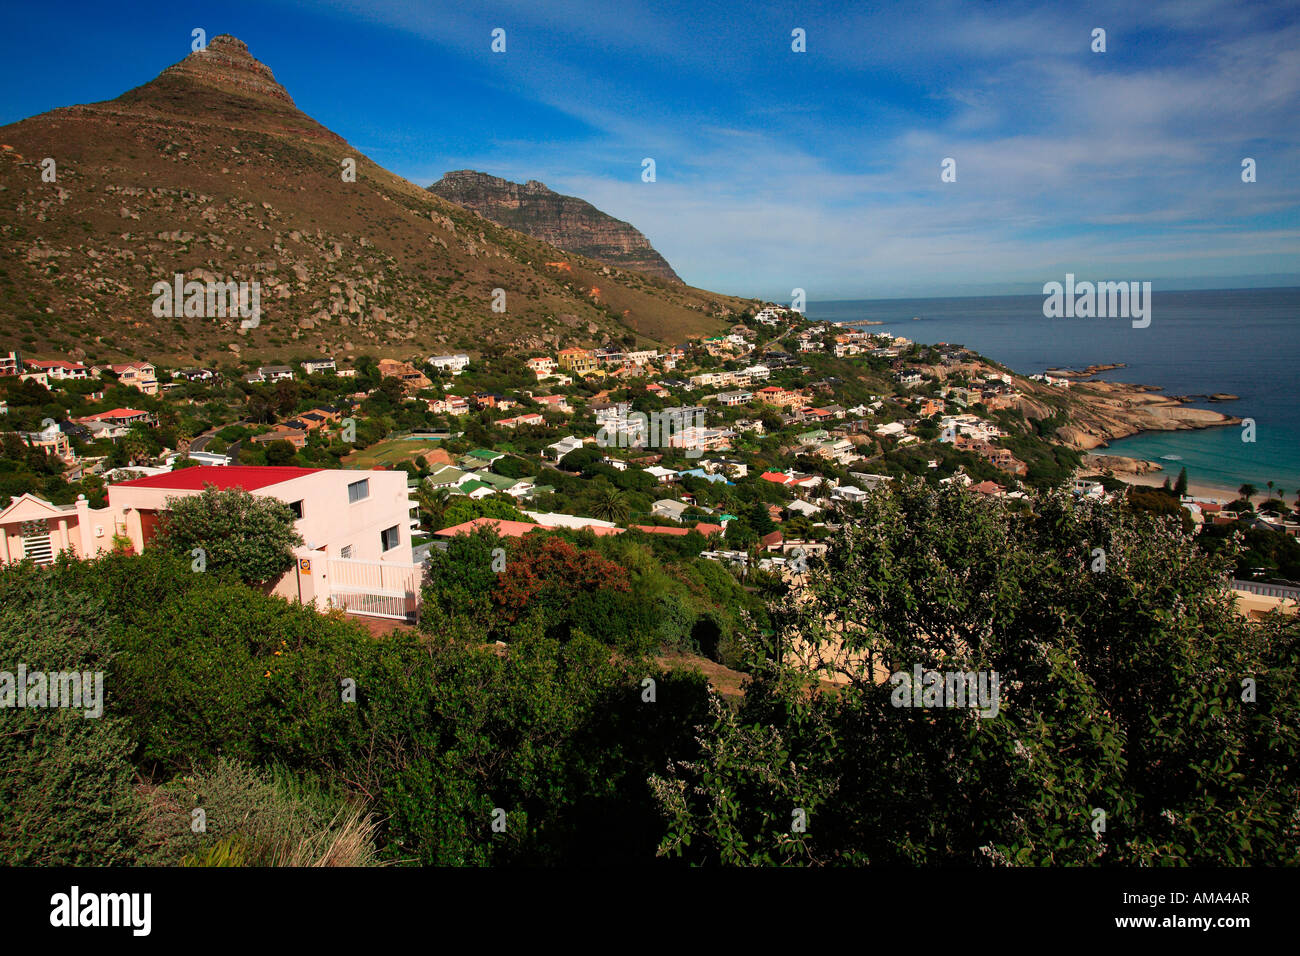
(1238, 341)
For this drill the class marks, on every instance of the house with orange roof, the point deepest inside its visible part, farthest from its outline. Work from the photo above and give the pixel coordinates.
(139, 375)
(579, 361)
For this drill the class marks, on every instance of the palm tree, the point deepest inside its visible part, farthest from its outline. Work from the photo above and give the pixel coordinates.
(134, 447)
(1247, 491)
(433, 503)
(609, 504)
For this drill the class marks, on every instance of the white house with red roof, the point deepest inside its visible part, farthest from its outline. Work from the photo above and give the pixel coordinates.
(360, 515)
(355, 526)
(58, 369)
(118, 416)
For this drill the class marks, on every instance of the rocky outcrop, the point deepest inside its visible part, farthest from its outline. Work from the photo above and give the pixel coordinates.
(227, 62)
(565, 222)
(1119, 465)
(1103, 411)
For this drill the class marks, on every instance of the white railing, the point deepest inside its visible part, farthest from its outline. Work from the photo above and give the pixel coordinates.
(375, 588)
(1267, 590)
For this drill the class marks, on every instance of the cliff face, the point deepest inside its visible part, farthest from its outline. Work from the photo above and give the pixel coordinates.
(565, 222)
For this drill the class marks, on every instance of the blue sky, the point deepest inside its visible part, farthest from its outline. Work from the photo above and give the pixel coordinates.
(776, 169)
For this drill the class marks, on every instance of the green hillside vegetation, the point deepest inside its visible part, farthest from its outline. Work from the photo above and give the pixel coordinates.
(1121, 691)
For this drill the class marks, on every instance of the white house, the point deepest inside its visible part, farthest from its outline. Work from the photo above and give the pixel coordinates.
(562, 447)
(450, 363)
(667, 508)
(59, 369)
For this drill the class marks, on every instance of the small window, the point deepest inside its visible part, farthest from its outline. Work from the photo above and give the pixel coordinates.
(296, 508)
(345, 551)
(359, 490)
(390, 538)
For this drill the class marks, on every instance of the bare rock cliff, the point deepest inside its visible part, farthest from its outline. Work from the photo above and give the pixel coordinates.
(565, 222)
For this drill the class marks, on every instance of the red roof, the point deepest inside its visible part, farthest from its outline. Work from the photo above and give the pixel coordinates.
(46, 363)
(248, 477)
(703, 528)
(115, 413)
(503, 528)
(778, 477)
(517, 529)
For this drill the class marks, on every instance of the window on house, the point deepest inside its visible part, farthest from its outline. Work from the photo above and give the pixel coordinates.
(345, 551)
(390, 538)
(359, 490)
(296, 508)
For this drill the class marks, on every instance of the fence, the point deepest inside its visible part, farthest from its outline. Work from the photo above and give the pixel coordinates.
(1267, 590)
(375, 588)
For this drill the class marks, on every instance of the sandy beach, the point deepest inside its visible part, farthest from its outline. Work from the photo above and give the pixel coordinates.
(1196, 489)
(1154, 479)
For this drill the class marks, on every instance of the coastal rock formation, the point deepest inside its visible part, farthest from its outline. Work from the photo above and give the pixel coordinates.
(565, 222)
(1103, 411)
(1119, 465)
(1088, 372)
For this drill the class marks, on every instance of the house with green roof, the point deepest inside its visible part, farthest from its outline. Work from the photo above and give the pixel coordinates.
(499, 482)
(448, 476)
(480, 458)
(473, 485)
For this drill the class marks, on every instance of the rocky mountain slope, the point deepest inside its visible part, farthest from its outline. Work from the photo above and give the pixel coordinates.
(565, 222)
(210, 170)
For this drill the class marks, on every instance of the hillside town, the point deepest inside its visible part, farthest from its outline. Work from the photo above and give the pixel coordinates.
(363, 513)
(752, 441)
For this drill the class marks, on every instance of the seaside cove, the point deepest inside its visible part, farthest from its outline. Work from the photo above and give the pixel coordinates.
(1233, 353)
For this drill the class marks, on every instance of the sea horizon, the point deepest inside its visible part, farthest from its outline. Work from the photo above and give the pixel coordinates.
(1200, 342)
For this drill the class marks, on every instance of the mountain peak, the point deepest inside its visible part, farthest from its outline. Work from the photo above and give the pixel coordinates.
(565, 222)
(226, 62)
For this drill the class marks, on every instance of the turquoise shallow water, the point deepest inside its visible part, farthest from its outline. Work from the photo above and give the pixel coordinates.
(1240, 341)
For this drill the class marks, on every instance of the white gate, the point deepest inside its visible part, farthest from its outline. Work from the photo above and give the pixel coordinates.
(374, 588)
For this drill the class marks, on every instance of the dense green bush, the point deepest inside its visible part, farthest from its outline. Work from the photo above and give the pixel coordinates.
(65, 791)
(1124, 688)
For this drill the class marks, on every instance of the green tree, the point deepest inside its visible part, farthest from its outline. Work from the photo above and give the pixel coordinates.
(1121, 689)
(248, 536)
(66, 795)
(135, 447)
(464, 509)
(433, 505)
(609, 503)
(280, 452)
